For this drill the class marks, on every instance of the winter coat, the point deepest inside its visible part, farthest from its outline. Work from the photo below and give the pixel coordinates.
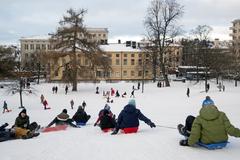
(80, 116)
(22, 122)
(211, 126)
(101, 114)
(62, 119)
(129, 117)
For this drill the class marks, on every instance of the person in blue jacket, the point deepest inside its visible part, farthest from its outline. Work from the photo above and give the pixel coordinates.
(129, 117)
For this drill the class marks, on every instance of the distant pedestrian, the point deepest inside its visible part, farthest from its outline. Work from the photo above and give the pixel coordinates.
(97, 90)
(56, 89)
(72, 103)
(45, 104)
(53, 89)
(223, 87)
(66, 89)
(112, 92)
(138, 86)
(188, 92)
(84, 104)
(133, 87)
(42, 98)
(5, 107)
(132, 94)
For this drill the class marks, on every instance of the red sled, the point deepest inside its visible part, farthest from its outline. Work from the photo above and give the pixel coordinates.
(130, 130)
(56, 128)
(107, 129)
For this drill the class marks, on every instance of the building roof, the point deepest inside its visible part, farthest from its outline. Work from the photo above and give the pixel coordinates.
(118, 47)
(39, 37)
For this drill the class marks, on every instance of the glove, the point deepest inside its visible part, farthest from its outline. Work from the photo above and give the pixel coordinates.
(184, 142)
(152, 125)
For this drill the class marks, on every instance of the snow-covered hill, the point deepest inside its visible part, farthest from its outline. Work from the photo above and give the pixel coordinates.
(164, 106)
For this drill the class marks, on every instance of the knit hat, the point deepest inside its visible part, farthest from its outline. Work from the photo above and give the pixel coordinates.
(24, 111)
(207, 102)
(64, 111)
(132, 102)
(107, 107)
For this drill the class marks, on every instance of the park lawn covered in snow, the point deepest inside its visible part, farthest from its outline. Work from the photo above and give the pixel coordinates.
(167, 106)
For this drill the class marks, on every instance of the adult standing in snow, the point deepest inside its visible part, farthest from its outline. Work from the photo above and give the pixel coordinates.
(132, 94)
(42, 98)
(117, 94)
(81, 117)
(128, 119)
(97, 90)
(23, 121)
(62, 119)
(53, 89)
(56, 89)
(66, 89)
(211, 126)
(138, 86)
(188, 92)
(71, 103)
(45, 104)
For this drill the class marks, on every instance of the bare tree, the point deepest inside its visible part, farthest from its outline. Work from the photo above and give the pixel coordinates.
(161, 25)
(72, 38)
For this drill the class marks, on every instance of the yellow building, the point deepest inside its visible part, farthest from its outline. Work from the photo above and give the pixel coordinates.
(127, 61)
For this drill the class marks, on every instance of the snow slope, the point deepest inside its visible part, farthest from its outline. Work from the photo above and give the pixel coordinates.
(164, 106)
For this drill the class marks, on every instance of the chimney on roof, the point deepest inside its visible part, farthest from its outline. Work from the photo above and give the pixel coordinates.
(134, 44)
(119, 41)
(128, 43)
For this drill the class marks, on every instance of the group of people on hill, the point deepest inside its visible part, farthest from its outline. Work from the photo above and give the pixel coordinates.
(210, 126)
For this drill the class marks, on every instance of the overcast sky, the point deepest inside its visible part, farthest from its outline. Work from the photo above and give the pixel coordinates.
(123, 18)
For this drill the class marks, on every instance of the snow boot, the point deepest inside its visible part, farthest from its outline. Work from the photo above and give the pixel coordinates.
(181, 129)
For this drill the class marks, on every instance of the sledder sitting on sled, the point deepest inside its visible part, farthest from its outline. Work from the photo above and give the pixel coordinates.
(211, 126)
(22, 121)
(14, 133)
(62, 119)
(81, 117)
(128, 119)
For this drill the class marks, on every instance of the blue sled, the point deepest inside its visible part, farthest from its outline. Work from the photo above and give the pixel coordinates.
(81, 124)
(213, 146)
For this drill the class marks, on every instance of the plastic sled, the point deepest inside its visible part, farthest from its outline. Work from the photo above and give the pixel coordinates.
(81, 124)
(107, 129)
(130, 130)
(56, 128)
(213, 146)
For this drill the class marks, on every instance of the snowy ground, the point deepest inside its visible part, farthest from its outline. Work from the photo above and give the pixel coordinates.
(164, 106)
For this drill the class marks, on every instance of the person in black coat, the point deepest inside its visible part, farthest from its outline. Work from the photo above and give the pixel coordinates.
(62, 119)
(6, 134)
(81, 116)
(22, 121)
(129, 117)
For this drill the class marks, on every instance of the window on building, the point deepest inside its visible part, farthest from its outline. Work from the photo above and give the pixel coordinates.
(140, 62)
(124, 61)
(104, 35)
(132, 61)
(99, 35)
(125, 55)
(37, 46)
(49, 47)
(146, 73)
(26, 46)
(139, 73)
(86, 62)
(26, 55)
(132, 73)
(117, 74)
(99, 74)
(117, 55)
(147, 55)
(140, 55)
(56, 73)
(32, 46)
(117, 62)
(43, 47)
(132, 55)
(124, 73)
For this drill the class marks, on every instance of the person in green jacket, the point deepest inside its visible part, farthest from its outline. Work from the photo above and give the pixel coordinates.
(211, 126)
